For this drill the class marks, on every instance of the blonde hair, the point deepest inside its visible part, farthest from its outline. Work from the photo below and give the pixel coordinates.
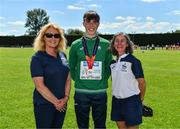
(39, 43)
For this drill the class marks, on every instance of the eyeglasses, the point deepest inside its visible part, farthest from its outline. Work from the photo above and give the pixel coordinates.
(50, 35)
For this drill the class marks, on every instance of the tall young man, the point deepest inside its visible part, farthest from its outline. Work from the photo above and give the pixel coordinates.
(89, 60)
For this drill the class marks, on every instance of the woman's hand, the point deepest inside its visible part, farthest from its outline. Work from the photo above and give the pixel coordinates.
(61, 104)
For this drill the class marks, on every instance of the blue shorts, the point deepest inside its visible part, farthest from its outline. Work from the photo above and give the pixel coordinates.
(128, 110)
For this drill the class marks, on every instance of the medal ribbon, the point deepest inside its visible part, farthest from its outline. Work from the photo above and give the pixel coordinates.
(90, 60)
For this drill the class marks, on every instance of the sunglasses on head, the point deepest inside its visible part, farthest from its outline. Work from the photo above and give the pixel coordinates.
(50, 35)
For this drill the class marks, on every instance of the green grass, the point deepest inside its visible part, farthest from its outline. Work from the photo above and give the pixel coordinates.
(162, 73)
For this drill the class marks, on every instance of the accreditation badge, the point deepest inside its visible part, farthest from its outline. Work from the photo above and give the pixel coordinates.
(91, 74)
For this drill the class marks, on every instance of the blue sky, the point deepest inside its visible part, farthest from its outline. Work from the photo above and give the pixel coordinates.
(129, 16)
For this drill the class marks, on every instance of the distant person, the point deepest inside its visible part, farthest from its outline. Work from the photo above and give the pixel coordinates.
(128, 84)
(51, 77)
(89, 60)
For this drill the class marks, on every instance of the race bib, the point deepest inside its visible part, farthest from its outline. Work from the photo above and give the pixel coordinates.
(91, 74)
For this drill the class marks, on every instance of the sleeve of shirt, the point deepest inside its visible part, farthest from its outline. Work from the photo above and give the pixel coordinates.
(36, 67)
(137, 69)
(72, 61)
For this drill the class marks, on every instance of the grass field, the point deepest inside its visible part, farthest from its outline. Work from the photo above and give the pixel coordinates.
(162, 73)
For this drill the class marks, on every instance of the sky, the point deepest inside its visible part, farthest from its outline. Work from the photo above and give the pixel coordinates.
(128, 16)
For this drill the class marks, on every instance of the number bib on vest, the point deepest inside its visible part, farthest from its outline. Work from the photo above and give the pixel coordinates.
(91, 74)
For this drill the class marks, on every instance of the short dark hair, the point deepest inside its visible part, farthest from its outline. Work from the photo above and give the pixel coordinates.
(91, 15)
(129, 49)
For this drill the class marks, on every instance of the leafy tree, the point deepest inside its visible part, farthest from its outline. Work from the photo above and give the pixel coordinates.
(36, 18)
(74, 32)
(177, 31)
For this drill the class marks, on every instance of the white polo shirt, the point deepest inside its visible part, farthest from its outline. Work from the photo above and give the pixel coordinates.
(124, 72)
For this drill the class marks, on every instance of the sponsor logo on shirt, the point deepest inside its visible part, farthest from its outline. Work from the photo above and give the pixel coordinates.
(124, 67)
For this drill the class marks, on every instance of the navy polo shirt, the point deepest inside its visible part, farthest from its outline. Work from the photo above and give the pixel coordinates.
(53, 70)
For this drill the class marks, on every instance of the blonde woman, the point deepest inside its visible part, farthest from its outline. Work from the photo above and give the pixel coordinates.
(50, 74)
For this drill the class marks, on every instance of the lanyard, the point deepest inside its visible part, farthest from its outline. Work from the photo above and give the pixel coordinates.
(90, 60)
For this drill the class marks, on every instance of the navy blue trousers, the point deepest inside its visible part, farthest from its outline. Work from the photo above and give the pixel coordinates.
(83, 105)
(47, 116)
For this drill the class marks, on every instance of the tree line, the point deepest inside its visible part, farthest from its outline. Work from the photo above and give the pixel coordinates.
(138, 39)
